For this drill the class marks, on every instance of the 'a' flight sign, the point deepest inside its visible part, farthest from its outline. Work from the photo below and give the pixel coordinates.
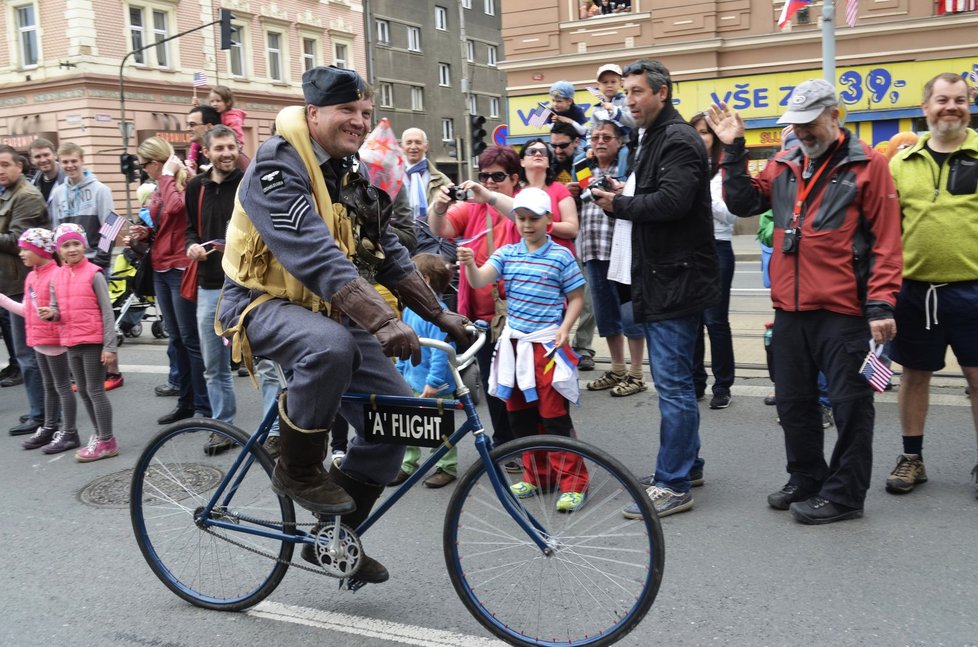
(407, 425)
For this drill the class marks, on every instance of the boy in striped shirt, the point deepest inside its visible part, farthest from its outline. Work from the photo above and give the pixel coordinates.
(534, 370)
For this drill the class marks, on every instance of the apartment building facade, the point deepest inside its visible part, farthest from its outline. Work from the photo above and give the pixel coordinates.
(434, 65)
(60, 67)
(733, 50)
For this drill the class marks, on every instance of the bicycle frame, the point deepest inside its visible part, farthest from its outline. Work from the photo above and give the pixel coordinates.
(224, 493)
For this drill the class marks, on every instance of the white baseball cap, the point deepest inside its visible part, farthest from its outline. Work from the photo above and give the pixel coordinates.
(537, 201)
(608, 67)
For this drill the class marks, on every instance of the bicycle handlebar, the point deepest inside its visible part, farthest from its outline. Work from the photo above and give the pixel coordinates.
(454, 359)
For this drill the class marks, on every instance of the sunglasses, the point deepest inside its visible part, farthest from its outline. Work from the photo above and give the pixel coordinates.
(496, 176)
(560, 147)
(537, 152)
(602, 138)
(192, 124)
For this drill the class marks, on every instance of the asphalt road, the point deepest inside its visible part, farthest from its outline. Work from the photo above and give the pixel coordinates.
(736, 573)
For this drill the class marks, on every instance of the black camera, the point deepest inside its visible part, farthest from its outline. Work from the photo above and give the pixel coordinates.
(604, 184)
(459, 194)
(790, 243)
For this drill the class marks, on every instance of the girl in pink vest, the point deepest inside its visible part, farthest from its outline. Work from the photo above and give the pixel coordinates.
(82, 305)
(37, 252)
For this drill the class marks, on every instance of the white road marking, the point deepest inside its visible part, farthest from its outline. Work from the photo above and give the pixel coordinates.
(369, 627)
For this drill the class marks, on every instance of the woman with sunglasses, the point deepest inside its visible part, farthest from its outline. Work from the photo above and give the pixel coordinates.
(471, 222)
(538, 173)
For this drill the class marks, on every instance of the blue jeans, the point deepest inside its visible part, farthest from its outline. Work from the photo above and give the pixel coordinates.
(716, 318)
(671, 343)
(28, 367)
(180, 321)
(611, 317)
(217, 358)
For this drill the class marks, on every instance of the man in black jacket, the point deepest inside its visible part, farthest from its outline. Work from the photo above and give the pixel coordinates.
(674, 269)
(210, 203)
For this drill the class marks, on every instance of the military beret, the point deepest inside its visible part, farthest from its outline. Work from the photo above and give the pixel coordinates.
(330, 86)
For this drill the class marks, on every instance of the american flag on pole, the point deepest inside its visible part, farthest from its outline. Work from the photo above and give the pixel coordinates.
(200, 79)
(539, 116)
(852, 10)
(876, 372)
(109, 231)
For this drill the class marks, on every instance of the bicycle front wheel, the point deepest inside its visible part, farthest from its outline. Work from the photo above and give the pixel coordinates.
(173, 481)
(604, 571)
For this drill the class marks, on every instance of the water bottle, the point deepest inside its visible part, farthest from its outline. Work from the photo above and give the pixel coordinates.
(768, 334)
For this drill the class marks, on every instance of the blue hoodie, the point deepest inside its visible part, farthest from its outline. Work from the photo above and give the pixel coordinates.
(87, 204)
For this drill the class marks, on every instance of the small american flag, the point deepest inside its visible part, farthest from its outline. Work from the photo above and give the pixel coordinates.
(109, 231)
(974, 76)
(200, 79)
(876, 372)
(33, 296)
(539, 116)
(852, 10)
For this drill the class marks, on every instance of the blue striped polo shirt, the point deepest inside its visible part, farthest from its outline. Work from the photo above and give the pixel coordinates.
(536, 283)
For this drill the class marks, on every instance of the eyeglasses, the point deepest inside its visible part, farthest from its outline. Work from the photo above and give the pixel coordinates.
(536, 152)
(560, 147)
(495, 176)
(192, 124)
(602, 138)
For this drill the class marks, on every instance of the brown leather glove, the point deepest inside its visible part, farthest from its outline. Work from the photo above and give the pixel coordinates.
(359, 301)
(416, 294)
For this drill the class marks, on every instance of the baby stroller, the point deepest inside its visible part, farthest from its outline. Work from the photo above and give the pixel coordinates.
(130, 307)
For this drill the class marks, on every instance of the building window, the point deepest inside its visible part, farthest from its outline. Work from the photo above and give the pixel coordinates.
(441, 18)
(473, 105)
(236, 57)
(490, 6)
(493, 107)
(386, 92)
(341, 55)
(310, 48)
(444, 74)
(274, 54)
(414, 39)
(466, 4)
(417, 98)
(141, 31)
(383, 32)
(469, 51)
(27, 31)
(491, 54)
(447, 130)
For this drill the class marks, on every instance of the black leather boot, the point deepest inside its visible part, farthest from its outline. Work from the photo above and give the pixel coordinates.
(365, 495)
(299, 473)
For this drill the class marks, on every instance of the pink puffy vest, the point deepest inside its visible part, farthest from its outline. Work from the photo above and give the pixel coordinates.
(81, 317)
(37, 294)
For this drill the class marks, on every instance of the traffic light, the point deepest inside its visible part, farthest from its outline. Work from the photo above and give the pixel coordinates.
(477, 134)
(129, 166)
(226, 30)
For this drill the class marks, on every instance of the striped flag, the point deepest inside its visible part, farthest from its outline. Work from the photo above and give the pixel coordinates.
(876, 372)
(539, 116)
(200, 79)
(956, 6)
(852, 10)
(109, 231)
(791, 7)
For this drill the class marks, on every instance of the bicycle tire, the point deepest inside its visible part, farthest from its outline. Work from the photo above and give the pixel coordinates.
(172, 479)
(581, 595)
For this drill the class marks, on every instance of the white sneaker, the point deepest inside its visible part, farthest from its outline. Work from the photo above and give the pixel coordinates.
(338, 456)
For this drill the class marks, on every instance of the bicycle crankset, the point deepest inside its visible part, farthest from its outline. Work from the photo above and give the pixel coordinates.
(337, 548)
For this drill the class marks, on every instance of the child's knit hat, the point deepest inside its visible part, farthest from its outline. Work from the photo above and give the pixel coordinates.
(144, 191)
(69, 231)
(562, 90)
(38, 240)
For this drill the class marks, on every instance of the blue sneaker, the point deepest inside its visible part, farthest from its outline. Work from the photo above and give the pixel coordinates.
(571, 501)
(665, 501)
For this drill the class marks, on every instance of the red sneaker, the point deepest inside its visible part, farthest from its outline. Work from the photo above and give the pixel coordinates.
(113, 381)
(97, 450)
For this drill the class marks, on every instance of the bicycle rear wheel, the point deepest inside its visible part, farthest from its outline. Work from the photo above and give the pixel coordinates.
(210, 567)
(604, 572)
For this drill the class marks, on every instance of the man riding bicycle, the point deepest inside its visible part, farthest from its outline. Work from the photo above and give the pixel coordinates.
(306, 237)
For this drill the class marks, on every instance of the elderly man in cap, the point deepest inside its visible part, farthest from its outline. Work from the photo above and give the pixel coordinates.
(306, 237)
(835, 275)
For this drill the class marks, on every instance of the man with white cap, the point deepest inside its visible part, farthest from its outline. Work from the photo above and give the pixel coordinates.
(835, 274)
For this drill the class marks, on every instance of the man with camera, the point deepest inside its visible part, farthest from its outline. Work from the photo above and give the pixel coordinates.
(835, 276)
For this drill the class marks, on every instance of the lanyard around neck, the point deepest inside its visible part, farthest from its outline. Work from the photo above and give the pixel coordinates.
(806, 187)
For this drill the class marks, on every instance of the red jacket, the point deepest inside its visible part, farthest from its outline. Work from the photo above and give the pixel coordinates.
(849, 258)
(37, 294)
(169, 212)
(78, 308)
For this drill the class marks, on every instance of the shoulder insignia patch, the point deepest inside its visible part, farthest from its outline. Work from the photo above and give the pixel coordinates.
(271, 181)
(291, 220)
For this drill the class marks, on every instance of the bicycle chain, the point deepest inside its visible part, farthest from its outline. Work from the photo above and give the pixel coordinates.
(258, 551)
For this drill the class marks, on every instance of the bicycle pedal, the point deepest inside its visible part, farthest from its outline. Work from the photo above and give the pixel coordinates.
(352, 584)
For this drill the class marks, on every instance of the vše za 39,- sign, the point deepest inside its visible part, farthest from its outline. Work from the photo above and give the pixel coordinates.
(407, 425)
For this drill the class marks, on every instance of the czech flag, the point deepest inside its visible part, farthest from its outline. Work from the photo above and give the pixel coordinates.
(791, 7)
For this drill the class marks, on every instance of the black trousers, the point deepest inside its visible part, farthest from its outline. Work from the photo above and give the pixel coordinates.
(836, 344)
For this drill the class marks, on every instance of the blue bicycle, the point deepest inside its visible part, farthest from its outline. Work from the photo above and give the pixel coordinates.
(215, 534)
